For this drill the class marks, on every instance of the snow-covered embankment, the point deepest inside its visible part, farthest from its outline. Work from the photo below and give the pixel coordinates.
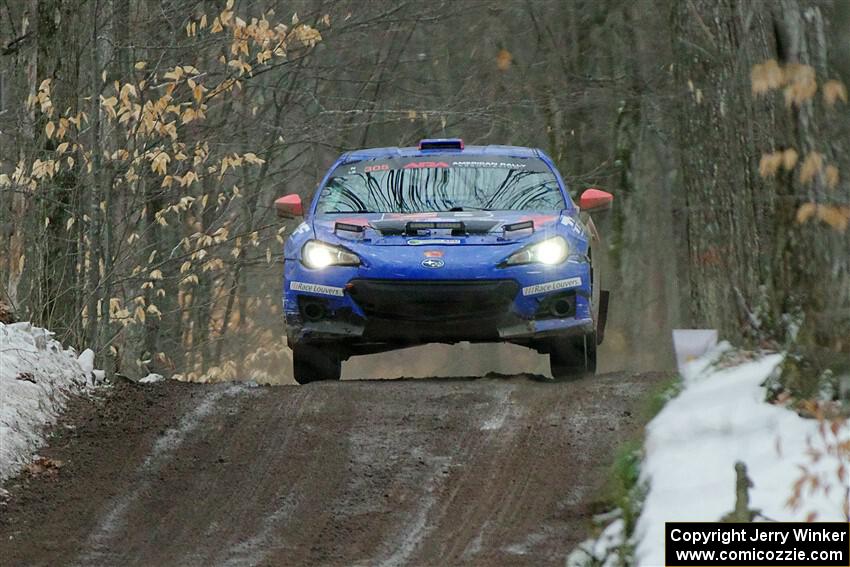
(37, 377)
(721, 417)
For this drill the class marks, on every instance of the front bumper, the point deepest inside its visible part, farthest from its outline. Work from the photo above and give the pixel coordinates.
(518, 304)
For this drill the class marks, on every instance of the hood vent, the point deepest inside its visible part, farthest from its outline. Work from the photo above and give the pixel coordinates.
(457, 228)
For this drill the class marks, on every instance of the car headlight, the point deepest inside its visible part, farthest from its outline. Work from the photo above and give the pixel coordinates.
(550, 252)
(318, 255)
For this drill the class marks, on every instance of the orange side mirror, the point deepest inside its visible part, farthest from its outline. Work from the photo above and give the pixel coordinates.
(594, 200)
(289, 206)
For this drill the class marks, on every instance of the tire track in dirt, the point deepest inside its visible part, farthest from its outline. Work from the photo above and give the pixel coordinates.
(489, 471)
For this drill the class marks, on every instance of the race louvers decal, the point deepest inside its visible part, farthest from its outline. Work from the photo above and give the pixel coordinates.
(316, 288)
(551, 286)
(434, 241)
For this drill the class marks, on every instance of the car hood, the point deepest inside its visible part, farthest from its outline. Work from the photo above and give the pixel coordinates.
(478, 227)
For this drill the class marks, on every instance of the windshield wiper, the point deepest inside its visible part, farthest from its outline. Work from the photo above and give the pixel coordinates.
(460, 209)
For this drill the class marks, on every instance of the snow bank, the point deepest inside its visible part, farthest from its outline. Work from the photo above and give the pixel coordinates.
(37, 375)
(692, 446)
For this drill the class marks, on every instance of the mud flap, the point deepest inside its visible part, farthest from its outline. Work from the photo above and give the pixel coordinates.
(603, 315)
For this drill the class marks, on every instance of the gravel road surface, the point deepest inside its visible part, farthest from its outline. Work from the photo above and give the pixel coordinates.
(501, 470)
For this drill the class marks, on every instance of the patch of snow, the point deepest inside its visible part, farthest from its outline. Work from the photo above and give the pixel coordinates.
(599, 551)
(152, 379)
(37, 376)
(503, 408)
(692, 446)
(86, 361)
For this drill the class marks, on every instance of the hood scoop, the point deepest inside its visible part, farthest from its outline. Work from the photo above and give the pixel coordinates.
(414, 228)
(348, 227)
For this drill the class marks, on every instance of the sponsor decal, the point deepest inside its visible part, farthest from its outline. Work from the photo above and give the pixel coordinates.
(425, 164)
(433, 263)
(502, 164)
(433, 241)
(303, 227)
(570, 222)
(551, 286)
(433, 254)
(396, 216)
(316, 288)
(444, 162)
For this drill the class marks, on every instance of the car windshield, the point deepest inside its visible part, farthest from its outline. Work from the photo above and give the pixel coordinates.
(437, 183)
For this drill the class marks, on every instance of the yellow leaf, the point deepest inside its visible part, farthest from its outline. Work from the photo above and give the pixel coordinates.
(61, 148)
(769, 164)
(811, 167)
(766, 76)
(140, 314)
(800, 84)
(175, 74)
(833, 91)
(836, 217)
(49, 128)
(504, 59)
(140, 65)
(789, 159)
(69, 224)
(198, 93)
(832, 177)
(251, 157)
(160, 163)
(805, 212)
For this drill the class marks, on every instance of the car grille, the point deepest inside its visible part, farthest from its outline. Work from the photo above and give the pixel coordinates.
(449, 301)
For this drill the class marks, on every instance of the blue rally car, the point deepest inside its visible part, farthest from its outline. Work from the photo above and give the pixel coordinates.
(442, 243)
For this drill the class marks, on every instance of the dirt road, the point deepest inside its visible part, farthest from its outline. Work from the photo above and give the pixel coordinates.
(490, 471)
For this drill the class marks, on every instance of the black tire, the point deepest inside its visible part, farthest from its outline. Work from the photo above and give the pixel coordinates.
(571, 358)
(315, 363)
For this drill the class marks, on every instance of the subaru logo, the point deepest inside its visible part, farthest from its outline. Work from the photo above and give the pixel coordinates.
(432, 263)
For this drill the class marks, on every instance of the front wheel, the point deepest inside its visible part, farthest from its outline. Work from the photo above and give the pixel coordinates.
(315, 363)
(571, 358)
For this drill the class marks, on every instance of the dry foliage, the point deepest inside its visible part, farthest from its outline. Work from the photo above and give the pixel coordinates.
(832, 176)
(833, 440)
(766, 76)
(504, 60)
(770, 164)
(812, 166)
(188, 222)
(7, 316)
(836, 216)
(44, 467)
(799, 82)
(833, 91)
(789, 159)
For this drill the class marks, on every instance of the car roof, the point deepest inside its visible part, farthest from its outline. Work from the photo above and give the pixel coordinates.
(391, 152)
